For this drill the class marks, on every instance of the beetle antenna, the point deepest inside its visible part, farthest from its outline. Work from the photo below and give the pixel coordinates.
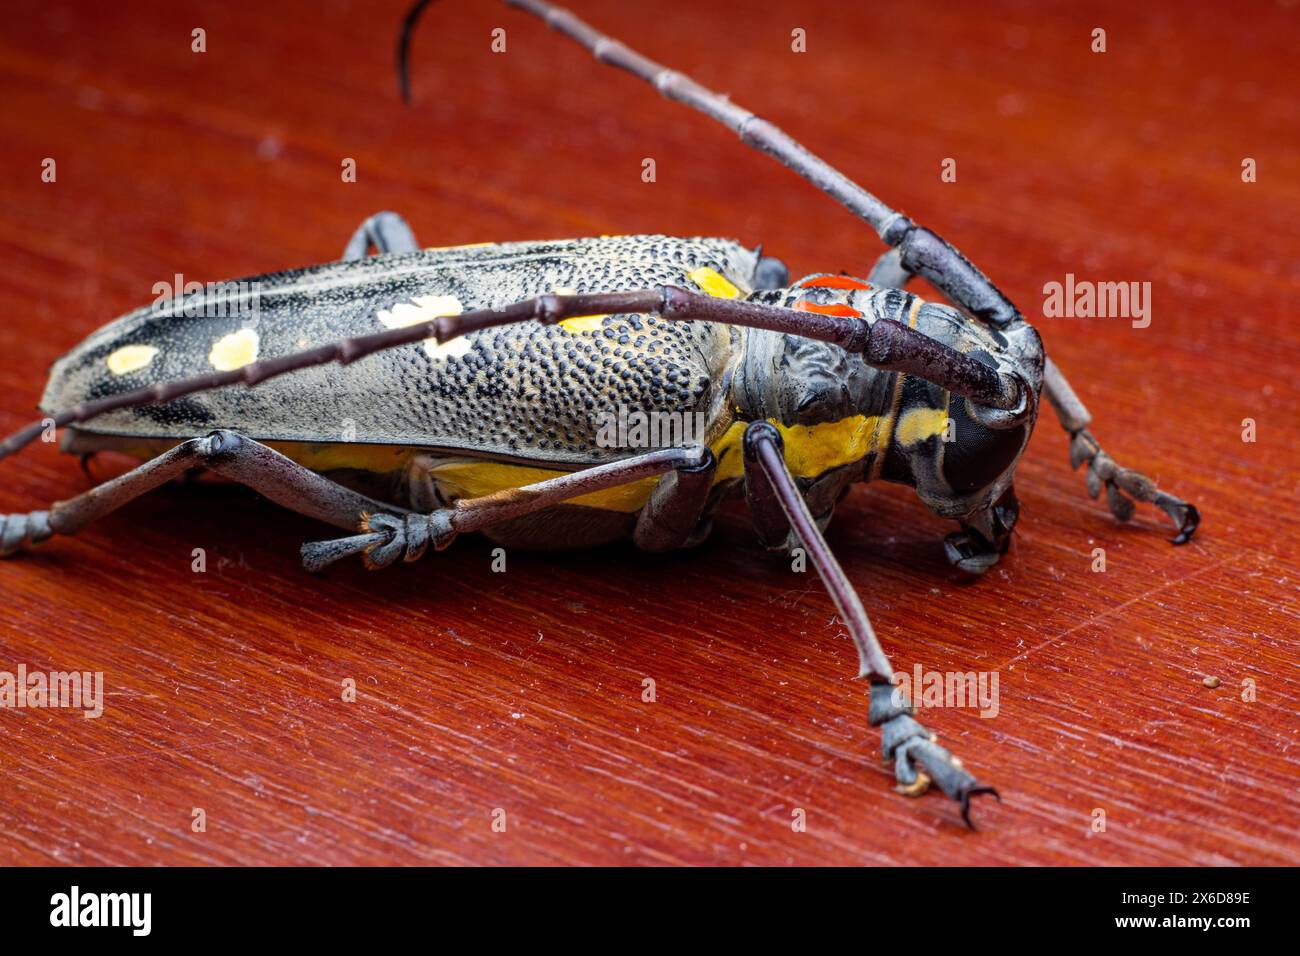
(404, 48)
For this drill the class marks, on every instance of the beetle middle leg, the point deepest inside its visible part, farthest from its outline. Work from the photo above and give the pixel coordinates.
(918, 760)
(384, 232)
(224, 453)
(673, 515)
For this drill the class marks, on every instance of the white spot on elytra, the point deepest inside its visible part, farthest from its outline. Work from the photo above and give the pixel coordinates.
(425, 308)
(130, 358)
(234, 350)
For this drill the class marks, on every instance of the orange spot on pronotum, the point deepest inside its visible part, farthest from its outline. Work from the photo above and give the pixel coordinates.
(835, 308)
(833, 282)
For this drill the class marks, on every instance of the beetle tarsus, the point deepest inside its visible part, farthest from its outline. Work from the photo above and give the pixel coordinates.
(969, 552)
(1124, 486)
(972, 792)
(317, 555)
(919, 761)
(383, 539)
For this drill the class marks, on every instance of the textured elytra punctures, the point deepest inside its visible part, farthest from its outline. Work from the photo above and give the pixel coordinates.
(525, 391)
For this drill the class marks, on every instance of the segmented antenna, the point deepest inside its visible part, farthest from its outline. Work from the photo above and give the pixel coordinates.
(404, 48)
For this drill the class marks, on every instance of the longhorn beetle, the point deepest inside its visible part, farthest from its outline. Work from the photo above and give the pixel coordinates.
(471, 380)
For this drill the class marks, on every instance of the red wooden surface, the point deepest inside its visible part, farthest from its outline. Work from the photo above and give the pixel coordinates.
(522, 691)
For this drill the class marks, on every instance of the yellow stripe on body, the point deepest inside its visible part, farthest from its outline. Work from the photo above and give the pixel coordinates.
(473, 479)
(918, 424)
(810, 451)
(331, 456)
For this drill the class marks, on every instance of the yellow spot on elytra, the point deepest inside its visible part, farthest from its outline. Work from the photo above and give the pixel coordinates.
(130, 358)
(234, 350)
(714, 283)
(423, 308)
(578, 323)
(918, 424)
(468, 245)
(426, 308)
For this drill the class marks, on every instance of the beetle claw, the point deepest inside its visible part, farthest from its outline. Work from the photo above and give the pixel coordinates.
(972, 792)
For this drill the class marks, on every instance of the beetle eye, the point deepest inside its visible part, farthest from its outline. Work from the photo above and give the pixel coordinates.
(977, 456)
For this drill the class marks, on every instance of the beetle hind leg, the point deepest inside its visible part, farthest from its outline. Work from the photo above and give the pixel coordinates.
(224, 453)
(918, 760)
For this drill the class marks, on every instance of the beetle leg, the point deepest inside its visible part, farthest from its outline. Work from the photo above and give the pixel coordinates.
(1121, 484)
(384, 232)
(985, 535)
(918, 760)
(384, 538)
(222, 452)
(671, 518)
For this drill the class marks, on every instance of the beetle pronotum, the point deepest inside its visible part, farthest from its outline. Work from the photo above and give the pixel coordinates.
(473, 377)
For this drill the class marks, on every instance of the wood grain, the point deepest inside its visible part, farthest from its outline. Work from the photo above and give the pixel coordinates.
(523, 690)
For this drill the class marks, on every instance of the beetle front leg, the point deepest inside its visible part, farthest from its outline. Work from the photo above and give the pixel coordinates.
(918, 760)
(1122, 485)
(984, 536)
(969, 289)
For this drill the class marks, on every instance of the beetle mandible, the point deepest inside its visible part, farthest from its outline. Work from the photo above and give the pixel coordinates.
(472, 381)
